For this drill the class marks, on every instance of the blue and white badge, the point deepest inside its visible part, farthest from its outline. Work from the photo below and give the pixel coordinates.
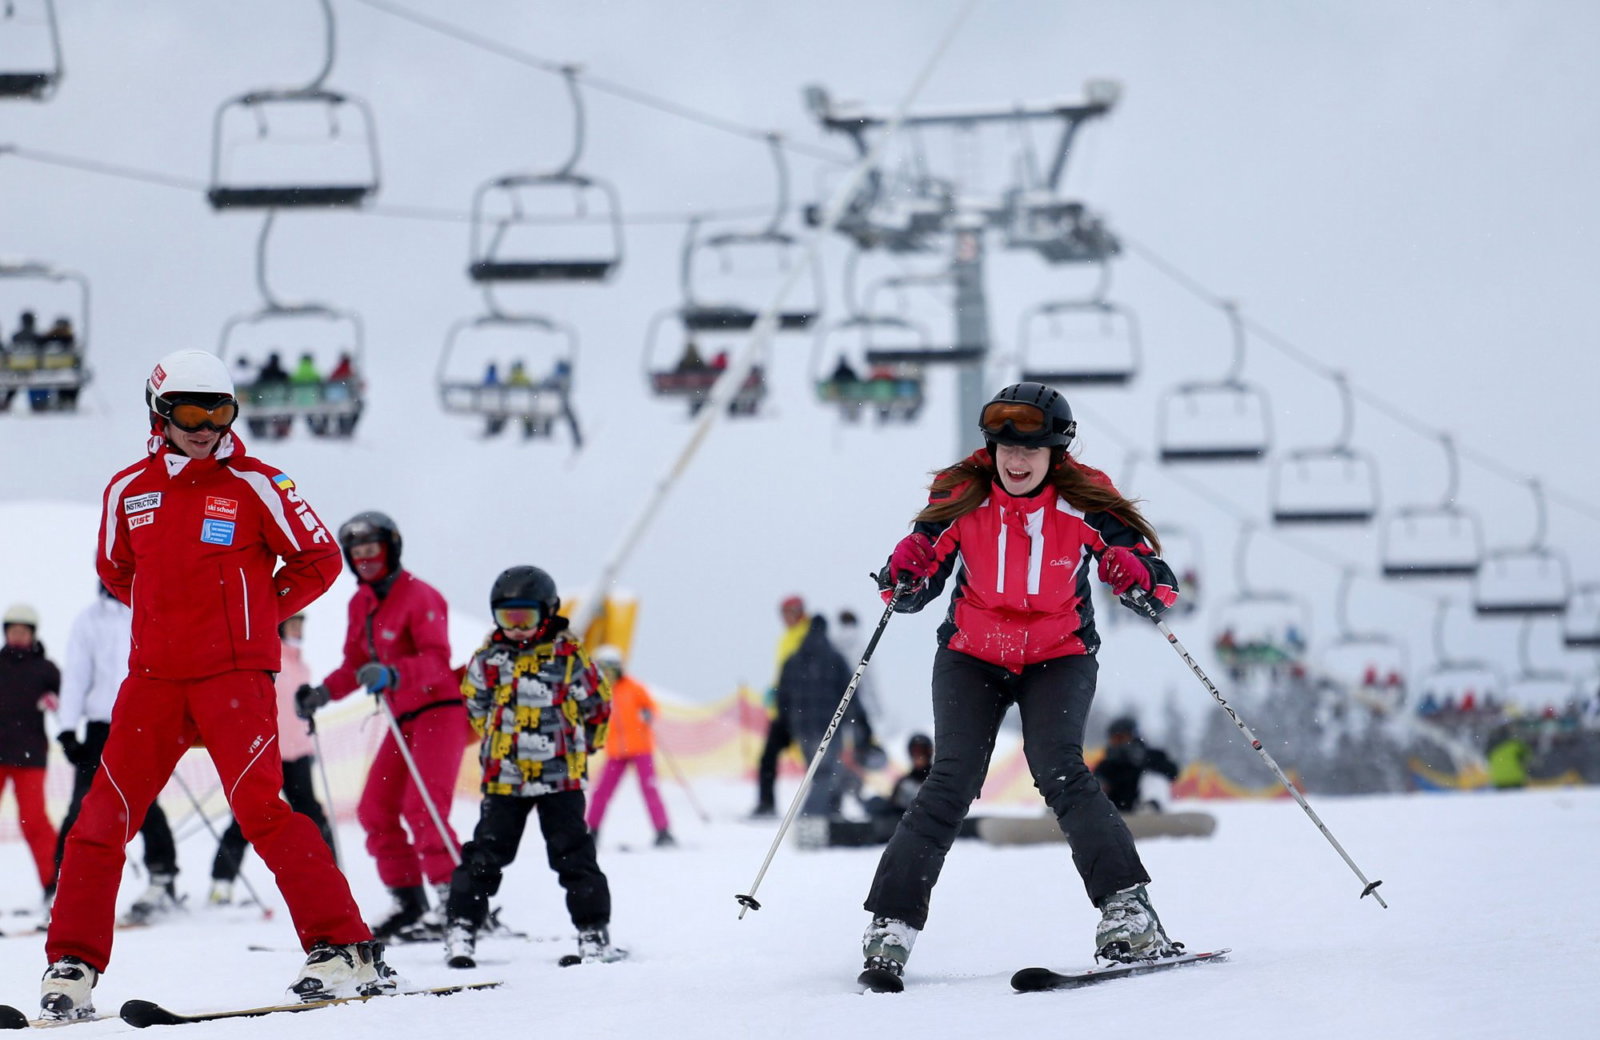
(217, 532)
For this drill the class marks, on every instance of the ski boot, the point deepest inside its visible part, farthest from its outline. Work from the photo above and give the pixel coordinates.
(594, 947)
(1129, 930)
(405, 915)
(159, 900)
(886, 946)
(355, 969)
(665, 840)
(66, 993)
(460, 944)
(221, 893)
(432, 924)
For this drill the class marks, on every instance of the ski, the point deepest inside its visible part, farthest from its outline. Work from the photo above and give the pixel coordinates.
(880, 980)
(143, 1013)
(572, 960)
(1036, 980)
(16, 1018)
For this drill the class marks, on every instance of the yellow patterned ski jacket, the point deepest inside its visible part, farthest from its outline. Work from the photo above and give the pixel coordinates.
(540, 709)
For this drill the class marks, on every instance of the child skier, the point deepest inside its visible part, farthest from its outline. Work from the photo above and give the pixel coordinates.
(540, 708)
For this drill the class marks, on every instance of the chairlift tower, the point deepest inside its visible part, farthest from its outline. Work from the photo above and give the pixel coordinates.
(1031, 215)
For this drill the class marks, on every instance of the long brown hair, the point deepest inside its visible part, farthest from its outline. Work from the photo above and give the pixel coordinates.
(966, 484)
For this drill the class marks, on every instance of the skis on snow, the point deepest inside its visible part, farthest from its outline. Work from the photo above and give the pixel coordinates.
(16, 1018)
(1035, 980)
(143, 1013)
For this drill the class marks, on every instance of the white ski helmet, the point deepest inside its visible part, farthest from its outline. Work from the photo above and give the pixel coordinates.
(188, 372)
(21, 614)
(608, 656)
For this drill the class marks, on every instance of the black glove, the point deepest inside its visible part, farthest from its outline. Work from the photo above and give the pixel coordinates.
(308, 698)
(71, 746)
(377, 677)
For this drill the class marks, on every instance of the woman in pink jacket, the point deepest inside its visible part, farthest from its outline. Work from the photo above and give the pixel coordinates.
(294, 737)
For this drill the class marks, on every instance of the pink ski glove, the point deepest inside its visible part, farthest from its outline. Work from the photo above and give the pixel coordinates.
(1121, 568)
(913, 558)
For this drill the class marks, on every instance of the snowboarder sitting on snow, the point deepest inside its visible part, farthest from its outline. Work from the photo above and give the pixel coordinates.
(1127, 759)
(541, 708)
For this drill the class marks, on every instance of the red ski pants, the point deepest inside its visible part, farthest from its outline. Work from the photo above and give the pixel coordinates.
(153, 723)
(390, 804)
(27, 783)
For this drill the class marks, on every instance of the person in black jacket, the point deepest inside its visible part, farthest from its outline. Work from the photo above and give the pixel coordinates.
(30, 685)
(1127, 759)
(810, 686)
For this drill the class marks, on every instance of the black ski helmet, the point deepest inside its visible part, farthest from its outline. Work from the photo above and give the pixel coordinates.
(919, 742)
(371, 526)
(524, 586)
(1123, 726)
(999, 428)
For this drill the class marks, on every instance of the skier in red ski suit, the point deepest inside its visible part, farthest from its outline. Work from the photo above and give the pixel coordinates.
(398, 647)
(191, 539)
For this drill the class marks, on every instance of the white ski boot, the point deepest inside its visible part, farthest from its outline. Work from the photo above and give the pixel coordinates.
(159, 900)
(1129, 929)
(221, 894)
(353, 970)
(460, 944)
(594, 947)
(66, 992)
(886, 946)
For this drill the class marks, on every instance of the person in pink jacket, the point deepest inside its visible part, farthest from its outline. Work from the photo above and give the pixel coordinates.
(398, 647)
(294, 738)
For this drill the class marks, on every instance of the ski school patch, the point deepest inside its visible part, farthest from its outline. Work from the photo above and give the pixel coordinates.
(217, 532)
(222, 508)
(139, 503)
(283, 482)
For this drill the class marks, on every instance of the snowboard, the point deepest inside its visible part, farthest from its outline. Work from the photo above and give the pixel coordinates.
(1037, 980)
(1034, 830)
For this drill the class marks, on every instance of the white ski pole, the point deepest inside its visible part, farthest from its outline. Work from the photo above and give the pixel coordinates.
(416, 778)
(1137, 597)
(747, 901)
(327, 791)
(266, 911)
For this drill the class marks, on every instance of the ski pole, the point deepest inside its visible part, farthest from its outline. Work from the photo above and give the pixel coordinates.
(266, 911)
(747, 901)
(683, 782)
(416, 778)
(1143, 605)
(327, 790)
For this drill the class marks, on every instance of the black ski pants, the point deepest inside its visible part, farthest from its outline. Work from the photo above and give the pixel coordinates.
(568, 846)
(779, 737)
(970, 697)
(302, 798)
(160, 853)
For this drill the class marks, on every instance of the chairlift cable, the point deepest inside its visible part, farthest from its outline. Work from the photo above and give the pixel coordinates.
(1379, 404)
(627, 93)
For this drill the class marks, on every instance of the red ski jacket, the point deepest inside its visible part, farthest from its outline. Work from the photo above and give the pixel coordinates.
(408, 630)
(193, 545)
(1023, 588)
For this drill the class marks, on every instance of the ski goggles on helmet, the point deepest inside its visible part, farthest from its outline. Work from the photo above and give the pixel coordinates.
(518, 617)
(1002, 418)
(192, 414)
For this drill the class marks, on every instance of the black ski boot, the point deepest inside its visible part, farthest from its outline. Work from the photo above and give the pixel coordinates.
(405, 915)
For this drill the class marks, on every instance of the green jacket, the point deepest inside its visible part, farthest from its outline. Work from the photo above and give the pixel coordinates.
(1508, 763)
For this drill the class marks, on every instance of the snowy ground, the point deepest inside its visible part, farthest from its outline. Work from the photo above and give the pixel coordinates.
(1493, 932)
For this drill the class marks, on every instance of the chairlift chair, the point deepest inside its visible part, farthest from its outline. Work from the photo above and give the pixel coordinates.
(923, 352)
(330, 407)
(1080, 342)
(31, 67)
(1523, 581)
(691, 377)
(1372, 660)
(278, 130)
(1536, 686)
(1260, 628)
(894, 392)
(510, 367)
(50, 371)
(1580, 624)
(1223, 421)
(1441, 541)
(501, 222)
(1453, 678)
(1327, 485)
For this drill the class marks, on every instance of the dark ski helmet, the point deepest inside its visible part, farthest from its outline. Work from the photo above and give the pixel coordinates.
(1124, 726)
(371, 526)
(525, 586)
(1030, 415)
(919, 742)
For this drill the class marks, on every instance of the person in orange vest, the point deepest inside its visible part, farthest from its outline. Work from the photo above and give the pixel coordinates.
(632, 743)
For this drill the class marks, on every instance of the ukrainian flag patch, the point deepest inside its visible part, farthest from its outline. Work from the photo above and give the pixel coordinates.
(283, 482)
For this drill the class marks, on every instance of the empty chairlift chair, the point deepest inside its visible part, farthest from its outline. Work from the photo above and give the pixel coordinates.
(728, 277)
(1441, 541)
(1523, 581)
(1223, 421)
(1088, 342)
(30, 50)
(1580, 624)
(554, 226)
(44, 337)
(1326, 485)
(925, 351)
(294, 147)
(511, 369)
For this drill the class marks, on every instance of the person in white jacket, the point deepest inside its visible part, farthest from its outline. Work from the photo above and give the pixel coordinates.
(95, 665)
